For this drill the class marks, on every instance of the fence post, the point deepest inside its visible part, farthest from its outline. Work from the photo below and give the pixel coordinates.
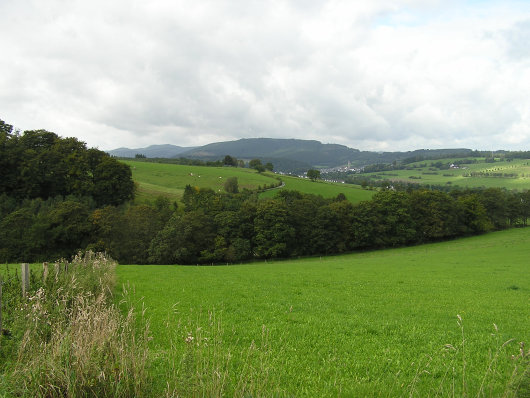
(44, 273)
(56, 267)
(25, 279)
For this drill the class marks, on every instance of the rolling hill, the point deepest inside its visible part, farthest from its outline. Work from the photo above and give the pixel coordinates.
(499, 174)
(287, 155)
(152, 151)
(155, 179)
(309, 153)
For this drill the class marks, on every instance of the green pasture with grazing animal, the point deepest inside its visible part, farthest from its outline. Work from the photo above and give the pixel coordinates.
(443, 319)
(169, 180)
(155, 179)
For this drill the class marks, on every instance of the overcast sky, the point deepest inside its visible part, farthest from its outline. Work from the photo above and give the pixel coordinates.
(374, 75)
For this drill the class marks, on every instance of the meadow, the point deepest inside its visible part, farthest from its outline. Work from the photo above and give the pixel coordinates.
(430, 320)
(353, 193)
(169, 180)
(424, 173)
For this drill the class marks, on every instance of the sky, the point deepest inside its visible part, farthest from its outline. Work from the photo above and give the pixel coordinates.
(381, 75)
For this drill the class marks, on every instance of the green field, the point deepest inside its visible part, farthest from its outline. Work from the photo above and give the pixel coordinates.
(455, 177)
(169, 180)
(353, 193)
(367, 324)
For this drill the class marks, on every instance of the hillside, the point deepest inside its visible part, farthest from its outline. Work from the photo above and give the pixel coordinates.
(287, 155)
(154, 179)
(152, 151)
(308, 152)
(513, 174)
(353, 193)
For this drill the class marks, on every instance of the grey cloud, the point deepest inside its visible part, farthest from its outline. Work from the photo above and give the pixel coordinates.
(518, 40)
(189, 72)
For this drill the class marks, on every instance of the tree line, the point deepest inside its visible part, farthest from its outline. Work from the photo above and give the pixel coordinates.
(226, 161)
(213, 228)
(58, 197)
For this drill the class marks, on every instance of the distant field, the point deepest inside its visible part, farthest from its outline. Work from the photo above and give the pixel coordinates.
(368, 324)
(169, 180)
(520, 168)
(354, 193)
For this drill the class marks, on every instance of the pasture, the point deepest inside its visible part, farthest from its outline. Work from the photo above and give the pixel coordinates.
(353, 193)
(169, 180)
(424, 173)
(381, 323)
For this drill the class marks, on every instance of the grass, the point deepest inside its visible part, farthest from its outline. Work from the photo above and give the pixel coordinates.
(67, 338)
(380, 323)
(169, 180)
(455, 177)
(353, 193)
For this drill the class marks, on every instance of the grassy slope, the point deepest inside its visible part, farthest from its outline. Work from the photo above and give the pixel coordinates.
(170, 180)
(327, 189)
(356, 325)
(521, 167)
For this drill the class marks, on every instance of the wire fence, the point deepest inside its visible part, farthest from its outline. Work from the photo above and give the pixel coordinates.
(8, 299)
(5, 281)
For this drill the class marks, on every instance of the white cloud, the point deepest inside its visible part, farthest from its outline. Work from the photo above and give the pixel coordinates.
(380, 75)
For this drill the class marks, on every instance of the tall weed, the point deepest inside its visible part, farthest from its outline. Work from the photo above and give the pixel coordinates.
(73, 341)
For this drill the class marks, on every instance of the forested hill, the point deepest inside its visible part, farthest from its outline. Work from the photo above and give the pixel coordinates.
(294, 154)
(286, 154)
(308, 152)
(152, 151)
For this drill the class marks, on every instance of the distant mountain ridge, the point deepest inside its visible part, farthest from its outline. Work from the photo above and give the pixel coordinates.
(290, 155)
(307, 153)
(152, 151)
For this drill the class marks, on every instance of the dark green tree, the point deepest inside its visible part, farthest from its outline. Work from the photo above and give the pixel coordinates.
(473, 217)
(113, 182)
(434, 214)
(231, 185)
(313, 174)
(230, 161)
(256, 164)
(494, 201)
(273, 234)
(186, 239)
(68, 231)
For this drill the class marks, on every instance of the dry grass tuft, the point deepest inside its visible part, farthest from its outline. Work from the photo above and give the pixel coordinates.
(75, 341)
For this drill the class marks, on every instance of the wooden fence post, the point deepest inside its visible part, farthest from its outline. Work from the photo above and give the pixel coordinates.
(25, 279)
(56, 267)
(44, 273)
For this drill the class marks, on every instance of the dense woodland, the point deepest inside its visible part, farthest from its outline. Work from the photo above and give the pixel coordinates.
(58, 197)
